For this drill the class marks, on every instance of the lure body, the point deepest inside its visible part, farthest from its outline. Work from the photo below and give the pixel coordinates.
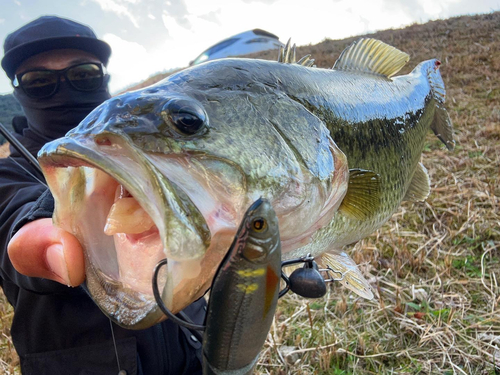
(244, 295)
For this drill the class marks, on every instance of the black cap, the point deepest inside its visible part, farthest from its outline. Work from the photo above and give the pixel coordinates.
(48, 33)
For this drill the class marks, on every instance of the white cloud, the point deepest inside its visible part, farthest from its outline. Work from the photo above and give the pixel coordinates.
(119, 7)
(436, 8)
(200, 24)
(156, 35)
(129, 62)
(288, 18)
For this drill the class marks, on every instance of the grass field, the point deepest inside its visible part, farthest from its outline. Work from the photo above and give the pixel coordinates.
(435, 265)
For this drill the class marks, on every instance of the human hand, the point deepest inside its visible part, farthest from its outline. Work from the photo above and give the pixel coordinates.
(40, 249)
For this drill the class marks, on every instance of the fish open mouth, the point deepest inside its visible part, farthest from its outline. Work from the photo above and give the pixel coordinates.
(131, 208)
(128, 217)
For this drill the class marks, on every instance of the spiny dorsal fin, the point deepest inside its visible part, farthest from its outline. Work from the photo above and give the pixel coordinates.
(420, 185)
(363, 194)
(288, 55)
(306, 61)
(372, 56)
(352, 278)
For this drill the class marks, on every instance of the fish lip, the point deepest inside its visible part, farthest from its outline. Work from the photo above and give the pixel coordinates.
(80, 152)
(73, 152)
(135, 312)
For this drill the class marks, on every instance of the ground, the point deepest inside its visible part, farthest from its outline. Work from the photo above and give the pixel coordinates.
(435, 265)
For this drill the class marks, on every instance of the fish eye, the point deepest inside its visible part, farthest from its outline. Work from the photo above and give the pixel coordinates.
(188, 117)
(259, 225)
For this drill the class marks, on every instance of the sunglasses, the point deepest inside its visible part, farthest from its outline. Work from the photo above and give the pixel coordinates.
(44, 83)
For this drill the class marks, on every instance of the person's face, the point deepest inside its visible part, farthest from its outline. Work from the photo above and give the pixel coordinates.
(56, 60)
(39, 76)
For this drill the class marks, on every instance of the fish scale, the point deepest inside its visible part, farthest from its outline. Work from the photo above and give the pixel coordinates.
(335, 151)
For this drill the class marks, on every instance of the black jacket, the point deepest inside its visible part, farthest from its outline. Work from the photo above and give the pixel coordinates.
(59, 330)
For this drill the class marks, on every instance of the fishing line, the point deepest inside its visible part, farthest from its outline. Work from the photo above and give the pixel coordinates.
(24, 153)
(27, 171)
(20, 148)
(114, 343)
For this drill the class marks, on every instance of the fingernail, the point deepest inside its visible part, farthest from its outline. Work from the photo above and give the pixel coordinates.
(56, 262)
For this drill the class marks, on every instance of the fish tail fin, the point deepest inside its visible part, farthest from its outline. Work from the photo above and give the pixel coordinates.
(442, 127)
(441, 124)
(352, 278)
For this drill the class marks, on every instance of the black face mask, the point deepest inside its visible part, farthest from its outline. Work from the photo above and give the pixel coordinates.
(51, 118)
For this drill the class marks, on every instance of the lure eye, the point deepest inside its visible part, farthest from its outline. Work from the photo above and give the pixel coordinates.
(255, 252)
(188, 117)
(259, 225)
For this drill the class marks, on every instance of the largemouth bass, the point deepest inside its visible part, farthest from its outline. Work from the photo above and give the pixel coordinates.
(166, 171)
(244, 295)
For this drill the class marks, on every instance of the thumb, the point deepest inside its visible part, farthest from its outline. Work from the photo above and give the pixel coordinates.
(40, 249)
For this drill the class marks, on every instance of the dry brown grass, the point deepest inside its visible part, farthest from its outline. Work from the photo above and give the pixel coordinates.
(435, 265)
(9, 361)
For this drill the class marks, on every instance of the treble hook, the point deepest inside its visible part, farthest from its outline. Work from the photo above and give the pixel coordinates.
(307, 281)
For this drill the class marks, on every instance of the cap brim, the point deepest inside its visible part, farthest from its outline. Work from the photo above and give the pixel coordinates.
(13, 58)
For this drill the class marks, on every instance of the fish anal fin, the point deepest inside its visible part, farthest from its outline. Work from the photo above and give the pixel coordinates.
(420, 185)
(372, 56)
(351, 278)
(363, 194)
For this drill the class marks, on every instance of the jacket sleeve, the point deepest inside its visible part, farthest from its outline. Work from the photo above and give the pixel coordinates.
(23, 198)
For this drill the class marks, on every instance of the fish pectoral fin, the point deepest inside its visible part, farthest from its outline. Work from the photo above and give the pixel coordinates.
(287, 55)
(352, 278)
(363, 194)
(372, 56)
(420, 185)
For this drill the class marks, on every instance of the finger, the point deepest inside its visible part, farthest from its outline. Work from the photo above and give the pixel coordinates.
(40, 249)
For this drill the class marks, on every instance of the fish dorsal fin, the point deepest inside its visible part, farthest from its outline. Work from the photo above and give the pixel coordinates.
(288, 54)
(351, 277)
(372, 56)
(363, 194)
(420, 185)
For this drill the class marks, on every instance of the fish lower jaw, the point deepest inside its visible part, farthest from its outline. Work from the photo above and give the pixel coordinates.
(125, 306)
(138, 245)
(122, 244)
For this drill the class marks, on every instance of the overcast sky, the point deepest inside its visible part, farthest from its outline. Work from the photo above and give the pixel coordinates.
(150, 36)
